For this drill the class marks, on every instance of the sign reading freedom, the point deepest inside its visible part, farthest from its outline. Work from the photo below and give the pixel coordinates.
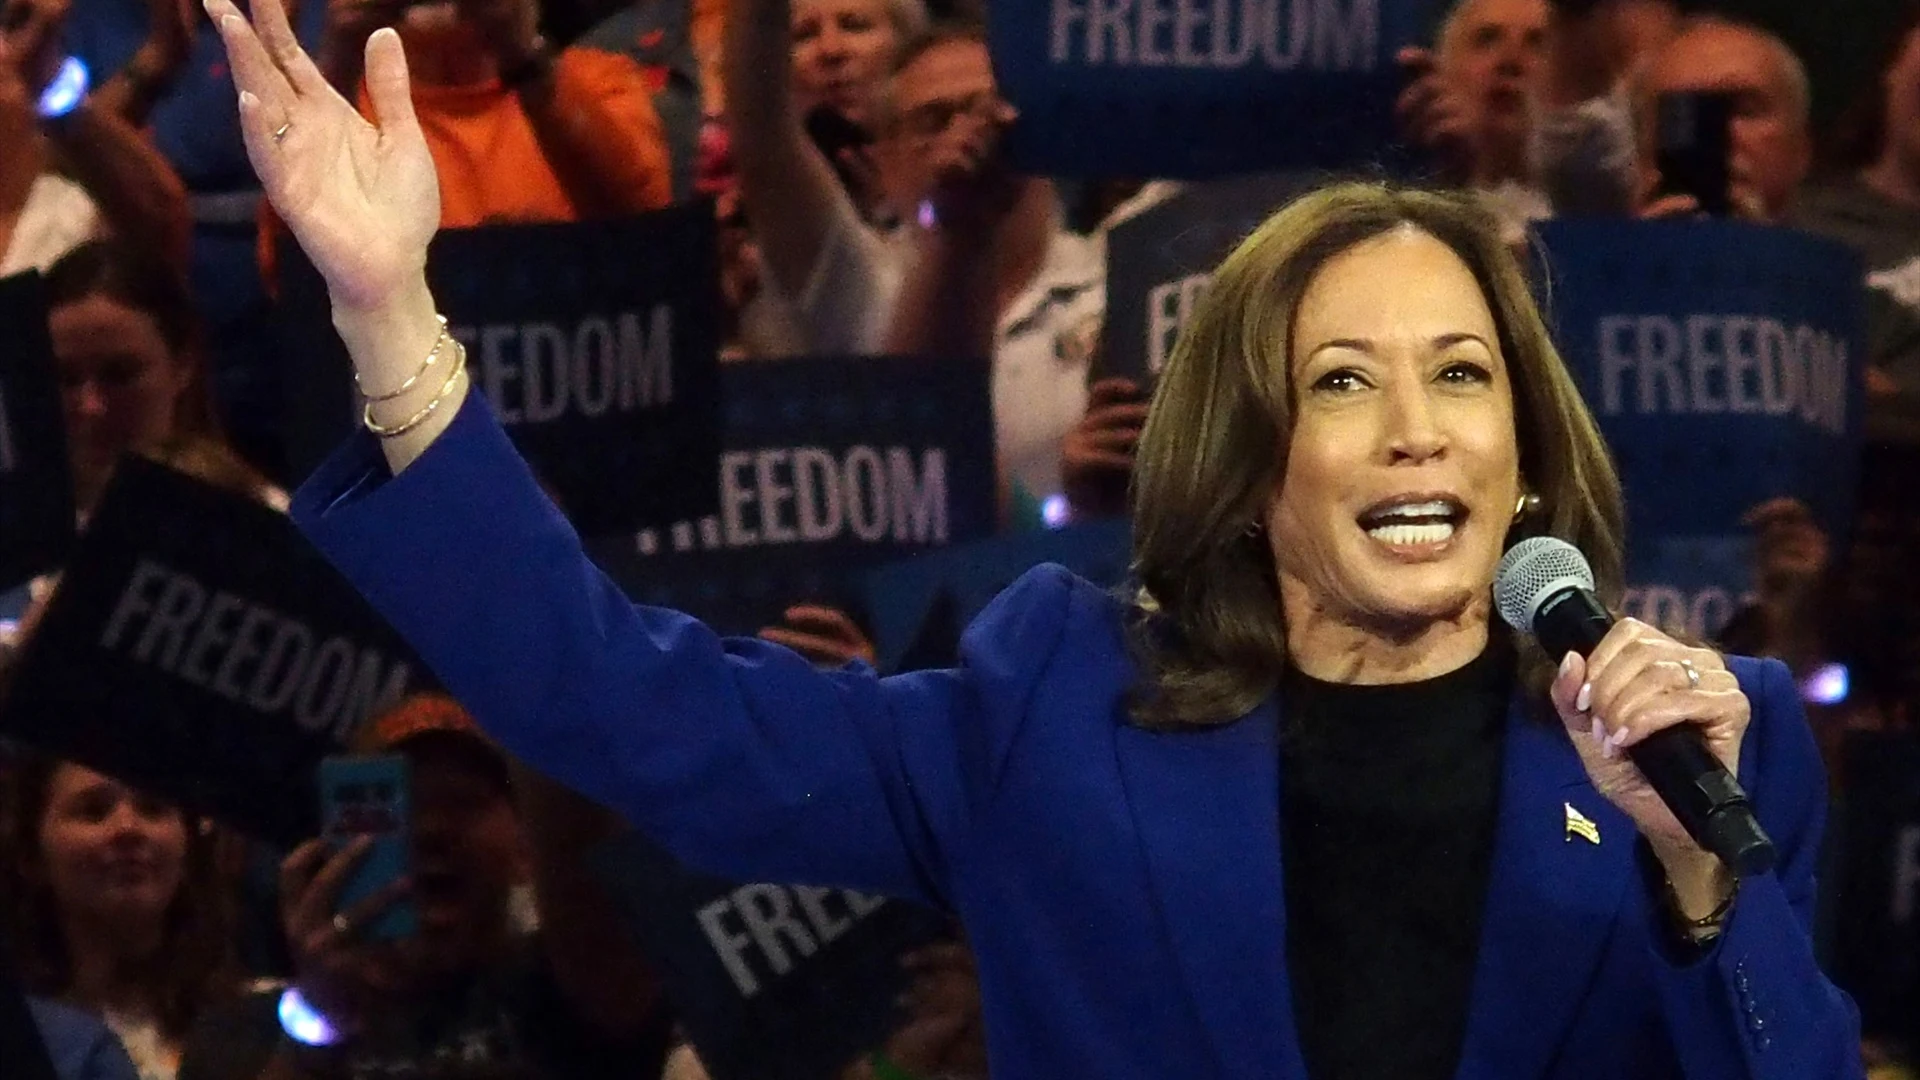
(1197, 88)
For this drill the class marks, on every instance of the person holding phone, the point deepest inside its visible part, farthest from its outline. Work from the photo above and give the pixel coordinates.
(1751, 77)
(109, 179)
(444, 961)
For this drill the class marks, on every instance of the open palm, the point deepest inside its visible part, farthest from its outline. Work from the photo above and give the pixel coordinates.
(361, 198)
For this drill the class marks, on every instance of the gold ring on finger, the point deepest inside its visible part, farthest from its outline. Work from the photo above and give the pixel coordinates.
(280, 132)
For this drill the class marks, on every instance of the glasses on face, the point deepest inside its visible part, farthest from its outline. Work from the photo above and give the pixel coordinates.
(931, 118)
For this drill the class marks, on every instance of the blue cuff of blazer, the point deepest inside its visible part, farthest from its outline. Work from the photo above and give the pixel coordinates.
(461, 538)
(1756, 1004)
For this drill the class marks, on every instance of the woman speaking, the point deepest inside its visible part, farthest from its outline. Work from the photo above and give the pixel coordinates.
(1298, 808)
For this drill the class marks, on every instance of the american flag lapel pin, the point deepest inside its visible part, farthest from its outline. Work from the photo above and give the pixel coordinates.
(1578, 824)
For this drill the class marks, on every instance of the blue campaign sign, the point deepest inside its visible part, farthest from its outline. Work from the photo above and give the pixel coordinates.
(36, 488)
(1198, 88)
(1160, 262)
(769, 981)
(597, 344)
(920, 605)
(1725, 363)
(830, 465)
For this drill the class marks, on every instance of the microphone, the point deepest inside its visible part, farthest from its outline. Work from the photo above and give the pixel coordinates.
(1544, 587)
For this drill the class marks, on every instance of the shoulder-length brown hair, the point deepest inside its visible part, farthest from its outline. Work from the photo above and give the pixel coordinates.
(1207, 626)
(195, 965)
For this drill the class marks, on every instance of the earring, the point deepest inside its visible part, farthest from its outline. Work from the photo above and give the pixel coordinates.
(1527, 506)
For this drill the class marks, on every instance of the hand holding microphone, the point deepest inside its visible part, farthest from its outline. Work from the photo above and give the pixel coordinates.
(1658, 724)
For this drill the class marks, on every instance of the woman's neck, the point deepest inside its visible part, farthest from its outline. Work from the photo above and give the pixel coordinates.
(112, 966)
(1328, 646)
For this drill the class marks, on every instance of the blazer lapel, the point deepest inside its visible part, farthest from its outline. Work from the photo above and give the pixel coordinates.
(1551, 902)
(1207, 805)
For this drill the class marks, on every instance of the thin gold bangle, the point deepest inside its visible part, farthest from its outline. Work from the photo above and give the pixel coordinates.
(432, 356)
(414, 421)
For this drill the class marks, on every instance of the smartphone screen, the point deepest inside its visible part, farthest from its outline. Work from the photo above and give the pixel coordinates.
(370, 795)
(1695, 149)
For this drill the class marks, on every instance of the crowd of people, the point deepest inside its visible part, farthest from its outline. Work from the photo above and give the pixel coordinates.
(852, 150)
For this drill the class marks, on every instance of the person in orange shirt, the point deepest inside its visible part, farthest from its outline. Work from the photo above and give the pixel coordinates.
(518, 131)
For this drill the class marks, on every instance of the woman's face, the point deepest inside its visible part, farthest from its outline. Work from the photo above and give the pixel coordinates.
(120, 384)
(842, 52)
(1403, 471)
(110, 853)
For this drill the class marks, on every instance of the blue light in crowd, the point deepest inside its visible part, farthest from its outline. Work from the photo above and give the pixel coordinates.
(303, 1023)
(65, 90)
(1055, 512)
(1826, 686)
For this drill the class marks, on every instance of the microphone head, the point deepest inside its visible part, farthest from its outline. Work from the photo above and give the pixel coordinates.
(1531, 572)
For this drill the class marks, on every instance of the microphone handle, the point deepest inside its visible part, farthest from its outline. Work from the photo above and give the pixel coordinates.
(1708, 802)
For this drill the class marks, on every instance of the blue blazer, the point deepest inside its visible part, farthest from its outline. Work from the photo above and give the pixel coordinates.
(1121, 889)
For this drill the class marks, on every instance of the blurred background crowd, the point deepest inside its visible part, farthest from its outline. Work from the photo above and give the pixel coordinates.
(850, 151)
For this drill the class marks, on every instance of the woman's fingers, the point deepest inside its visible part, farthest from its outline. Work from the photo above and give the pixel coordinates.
(371, 907)
(298, 868)
(1720, 715)
(1565, 690)
(253, 68)
(1112, 438)
(270, 24)
(389, 87)
(258, 122)
(1118, 415)
(1114, 390)
(315, 906)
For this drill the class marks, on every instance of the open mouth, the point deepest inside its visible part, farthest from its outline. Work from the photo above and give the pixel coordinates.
(1413, 520)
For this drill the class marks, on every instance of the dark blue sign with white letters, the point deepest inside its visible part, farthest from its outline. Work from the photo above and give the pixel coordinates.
(771, 982)
(831, 465)
(597, 344)
(919, 606)
(1160, 262)
(36, 488)
(1196, 88)
(198, 647)
(1725, 363)
(1876, 956)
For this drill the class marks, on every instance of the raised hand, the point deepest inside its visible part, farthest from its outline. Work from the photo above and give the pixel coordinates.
(1436, 116)
(361, 198)
(1635, 682)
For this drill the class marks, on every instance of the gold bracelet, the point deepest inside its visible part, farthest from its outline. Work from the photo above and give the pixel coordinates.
(414, 421)
(432, 356)
(1712, 921)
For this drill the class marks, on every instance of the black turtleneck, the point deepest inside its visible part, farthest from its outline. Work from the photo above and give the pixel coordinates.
(1389, 795)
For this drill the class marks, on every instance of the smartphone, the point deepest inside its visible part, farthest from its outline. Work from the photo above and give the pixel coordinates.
(371, 795)
(1694, 151)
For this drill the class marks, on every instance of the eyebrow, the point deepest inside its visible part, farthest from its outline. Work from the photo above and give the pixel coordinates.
(1438, 344)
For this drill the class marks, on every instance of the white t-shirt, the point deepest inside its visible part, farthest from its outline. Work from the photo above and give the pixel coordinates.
(1042, 348)
(58, 216)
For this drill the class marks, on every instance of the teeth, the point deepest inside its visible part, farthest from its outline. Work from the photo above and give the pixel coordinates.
(1412, 535)
(1425, 509)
